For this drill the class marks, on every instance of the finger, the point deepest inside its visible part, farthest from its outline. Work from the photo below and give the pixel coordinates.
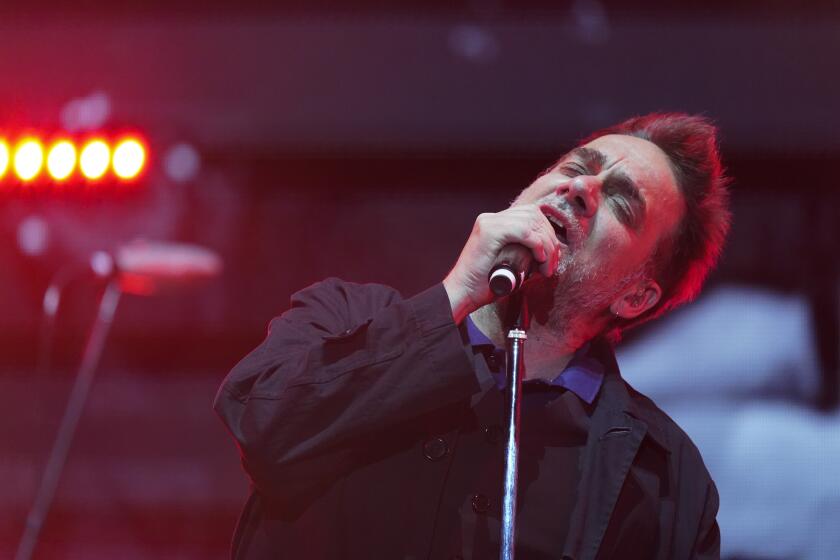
(528, 226)
(548, 268)
(537, 243)
(551, 245)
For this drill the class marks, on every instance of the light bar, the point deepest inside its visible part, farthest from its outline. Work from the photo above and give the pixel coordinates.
(25, 160)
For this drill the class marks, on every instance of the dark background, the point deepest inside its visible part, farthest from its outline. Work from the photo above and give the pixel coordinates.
(361, 141)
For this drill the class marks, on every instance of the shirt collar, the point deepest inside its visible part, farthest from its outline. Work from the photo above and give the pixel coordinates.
(583, 375)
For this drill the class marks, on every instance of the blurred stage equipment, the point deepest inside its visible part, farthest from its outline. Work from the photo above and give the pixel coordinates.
(52, 159)
(140, 268)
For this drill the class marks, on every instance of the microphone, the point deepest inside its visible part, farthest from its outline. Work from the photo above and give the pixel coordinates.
(510, 270)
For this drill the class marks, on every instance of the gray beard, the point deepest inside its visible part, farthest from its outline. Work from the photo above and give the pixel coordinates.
(575, 302)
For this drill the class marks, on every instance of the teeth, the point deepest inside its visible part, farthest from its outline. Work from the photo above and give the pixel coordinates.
(559, 229)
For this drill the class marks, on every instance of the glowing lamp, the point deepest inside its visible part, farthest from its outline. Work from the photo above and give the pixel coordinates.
(28, 159)
(4, 157)
(61, 160)
(94, 159)
(128, 159)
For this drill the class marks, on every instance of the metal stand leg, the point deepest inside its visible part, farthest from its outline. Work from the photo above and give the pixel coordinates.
(70, 420)
(516, 370)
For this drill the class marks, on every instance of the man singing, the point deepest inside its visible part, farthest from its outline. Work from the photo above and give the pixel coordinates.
(371, 425)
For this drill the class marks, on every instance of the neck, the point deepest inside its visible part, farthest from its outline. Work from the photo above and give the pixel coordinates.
(548, 349)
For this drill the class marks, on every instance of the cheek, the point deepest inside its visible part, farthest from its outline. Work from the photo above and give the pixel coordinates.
(613, 248)
(609, 236)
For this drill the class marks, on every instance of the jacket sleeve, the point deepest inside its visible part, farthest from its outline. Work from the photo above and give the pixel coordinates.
(343, 362)
(707, 545)
(693, 530)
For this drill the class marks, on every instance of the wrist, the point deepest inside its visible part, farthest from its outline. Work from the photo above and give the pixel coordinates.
(459, 300)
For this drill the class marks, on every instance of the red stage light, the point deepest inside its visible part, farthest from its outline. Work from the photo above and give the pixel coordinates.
(129, 158)
(28, 159)
(4, 157)
(94, 159)
(61, 160)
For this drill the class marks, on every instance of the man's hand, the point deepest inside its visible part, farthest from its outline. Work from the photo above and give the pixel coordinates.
(466, 284)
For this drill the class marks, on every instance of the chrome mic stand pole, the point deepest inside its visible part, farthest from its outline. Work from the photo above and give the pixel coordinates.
(516, 371)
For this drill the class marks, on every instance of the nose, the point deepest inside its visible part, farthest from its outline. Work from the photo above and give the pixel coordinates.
(582, 193)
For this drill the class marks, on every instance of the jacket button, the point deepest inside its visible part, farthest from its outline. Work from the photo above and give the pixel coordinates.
(480, 503)
(493, 362)
(493, 434)
(435, 449)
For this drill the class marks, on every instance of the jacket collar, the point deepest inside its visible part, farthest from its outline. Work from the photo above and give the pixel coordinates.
(620, 396)
(583, 375)
(619, 425)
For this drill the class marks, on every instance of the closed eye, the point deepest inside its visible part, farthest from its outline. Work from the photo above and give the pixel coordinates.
(572, 169)
(623, 211)
(627, 199)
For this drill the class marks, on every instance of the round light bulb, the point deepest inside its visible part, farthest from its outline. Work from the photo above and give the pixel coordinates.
(128, 159)
(28, 159)
(94, 159)
(61, 160)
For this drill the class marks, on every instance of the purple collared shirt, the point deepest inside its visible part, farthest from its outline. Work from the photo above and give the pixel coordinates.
(583, 375)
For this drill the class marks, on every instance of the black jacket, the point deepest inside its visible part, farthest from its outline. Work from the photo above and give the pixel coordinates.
(349, 415)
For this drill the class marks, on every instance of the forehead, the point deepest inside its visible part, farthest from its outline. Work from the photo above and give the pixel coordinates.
(647, 166)
(642, 157)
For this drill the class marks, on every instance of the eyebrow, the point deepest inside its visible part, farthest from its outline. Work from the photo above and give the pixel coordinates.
(590, 157)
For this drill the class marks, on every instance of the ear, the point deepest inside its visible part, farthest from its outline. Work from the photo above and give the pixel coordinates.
(636, 299)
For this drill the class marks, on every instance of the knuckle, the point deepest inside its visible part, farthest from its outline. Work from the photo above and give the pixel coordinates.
(519, 230)
(531, 238)
(480, 224)
(482, 219)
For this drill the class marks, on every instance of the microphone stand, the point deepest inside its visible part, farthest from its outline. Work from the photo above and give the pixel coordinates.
(70, 420)
(518, 310)
(142, 268)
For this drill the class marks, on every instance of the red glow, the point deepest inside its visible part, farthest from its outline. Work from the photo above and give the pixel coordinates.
(51, 158)
(5, 156)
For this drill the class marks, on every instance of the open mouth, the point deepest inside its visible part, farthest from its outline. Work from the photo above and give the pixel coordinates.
(559, 230)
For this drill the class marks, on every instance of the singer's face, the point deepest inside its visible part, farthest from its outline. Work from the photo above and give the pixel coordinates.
(611, 202)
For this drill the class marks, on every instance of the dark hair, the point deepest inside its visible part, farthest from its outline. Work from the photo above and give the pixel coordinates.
(682, 260)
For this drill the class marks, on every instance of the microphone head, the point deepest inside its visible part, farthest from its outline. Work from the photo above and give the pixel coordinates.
(503, 281)
(512, 266)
